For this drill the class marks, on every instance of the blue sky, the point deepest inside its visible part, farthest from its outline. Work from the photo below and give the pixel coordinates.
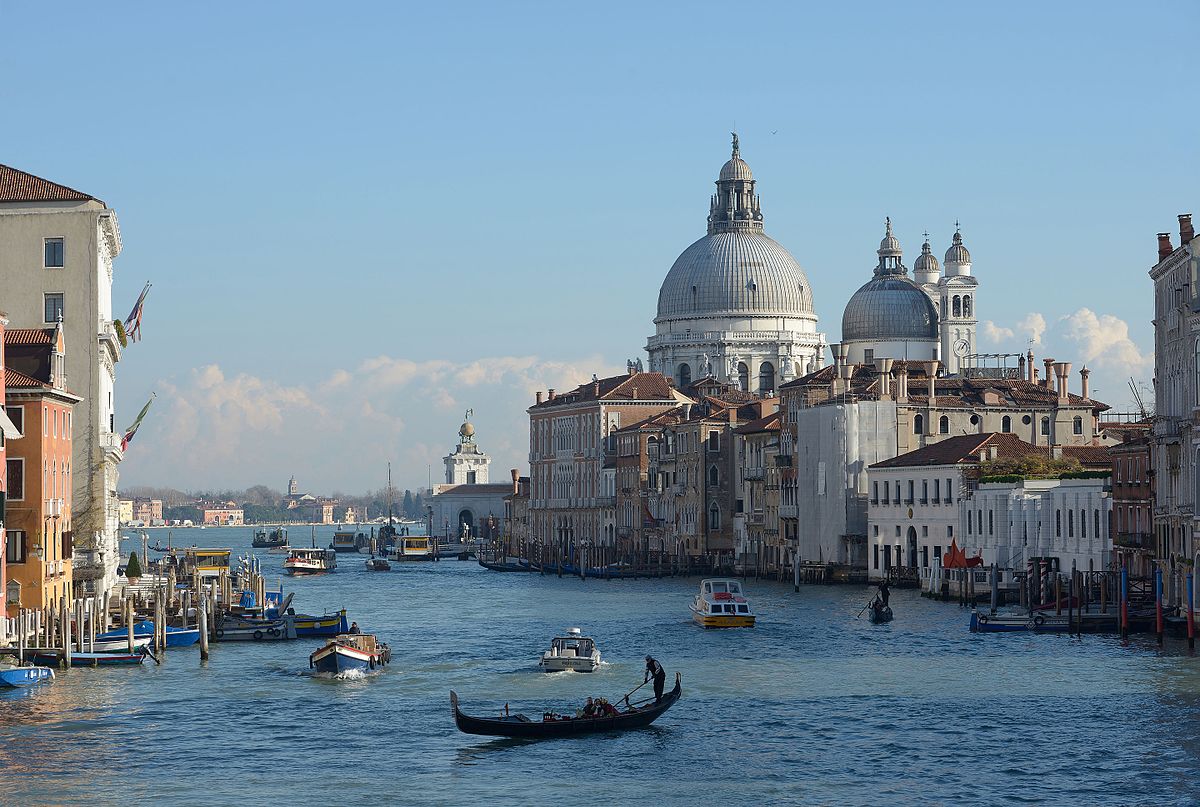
(360, 221)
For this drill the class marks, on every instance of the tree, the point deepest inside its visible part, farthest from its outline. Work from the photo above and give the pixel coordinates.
(408, 503)
(1030, 466)
(133, 570)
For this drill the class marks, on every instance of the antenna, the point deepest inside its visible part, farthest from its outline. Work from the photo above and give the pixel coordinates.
(1137, 399)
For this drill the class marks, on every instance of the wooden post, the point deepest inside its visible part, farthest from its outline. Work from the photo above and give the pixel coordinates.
(65, 614)
(202, 616)
(20, 635)
(1158, 605)
(1124, 599)
(129, 622)
(1057, 595)
(1191, 599)
(995, 589)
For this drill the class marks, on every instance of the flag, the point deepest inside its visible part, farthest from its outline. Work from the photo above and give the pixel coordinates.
(133, 323)
(132, 430)
(648, 519)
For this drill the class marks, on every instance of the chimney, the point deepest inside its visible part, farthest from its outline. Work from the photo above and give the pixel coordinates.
(1186, 231)
(902, 384)
(993, 451)
(1034, 378)
(687, 412)
(1164, 245)
(550, 393)
(1083, 387)
(516, 480)
(1056, 452)
(884, 368)
(1047, 383)
(635, 392)
(538, 397)
(1062, 372)
(1031, 367)
(931, 368)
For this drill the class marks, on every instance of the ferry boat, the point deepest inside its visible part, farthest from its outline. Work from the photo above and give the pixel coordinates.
(413, 547)
(348, 541)
(573, 652)
(721, 604)
(276, 538)
(305, 560)
(349, 652)
(208, 562)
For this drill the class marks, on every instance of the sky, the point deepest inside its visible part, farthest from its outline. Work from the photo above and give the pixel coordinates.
(362, 219)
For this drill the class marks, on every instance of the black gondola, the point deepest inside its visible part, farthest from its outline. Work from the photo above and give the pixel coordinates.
(504, 566)
(521, 726)
(880, 613)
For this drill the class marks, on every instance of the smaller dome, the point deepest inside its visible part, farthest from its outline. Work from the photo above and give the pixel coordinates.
(957, 252)
(466, 430)
(735, 169)
(889, 309)
(890, 245)
(926, 262)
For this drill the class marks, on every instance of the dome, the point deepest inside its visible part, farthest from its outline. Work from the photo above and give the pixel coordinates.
(957, 252)
(735, 169)
(734, 273)
(926, 262)
(466, 430)
(889, 309)
(890, 245)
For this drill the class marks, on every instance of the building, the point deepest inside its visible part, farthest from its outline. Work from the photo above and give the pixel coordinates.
(1175, 444)
(1133, 504)
(7, 432)
(57, 247)
(125, 511)
(736, 306)
(570, 453)
(222, 514)
(760, 543)
(350, 516)
(516, 515)
(466, 505)
(40, 466)
(148, 511)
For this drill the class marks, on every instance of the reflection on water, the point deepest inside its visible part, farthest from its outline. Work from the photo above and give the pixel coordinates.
(813, 705)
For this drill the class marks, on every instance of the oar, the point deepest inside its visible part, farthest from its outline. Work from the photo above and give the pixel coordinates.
(635, 689)
(864, 610)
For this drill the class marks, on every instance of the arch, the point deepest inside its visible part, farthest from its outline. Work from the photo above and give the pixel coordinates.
(1077, 425)
(912, 547)
(714, 476)
(714, 516)
(743, 377)
(684, 374)
(943, 425)
(919, 424)
(766, 377)
(1046, 426)
(956, 306)
(966, 305)
(1006, 424)
(465, 516)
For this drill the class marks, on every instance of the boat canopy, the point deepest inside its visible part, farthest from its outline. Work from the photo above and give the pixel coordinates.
(722, 587)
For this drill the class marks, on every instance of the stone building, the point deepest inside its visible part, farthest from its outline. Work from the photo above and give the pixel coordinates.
(1175, 444)
(736, 306)
(466, 505)
(222, 514)
(516, 515)
(1133, 503)
(57, 247)
(571, 459)
(760, 545)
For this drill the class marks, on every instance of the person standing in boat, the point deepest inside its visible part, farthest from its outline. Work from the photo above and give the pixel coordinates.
(884, 592)
(653, 668)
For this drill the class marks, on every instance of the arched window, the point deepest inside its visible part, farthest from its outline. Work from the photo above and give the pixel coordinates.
(1058, 523)
(967, 305)
(766, 377)
(1070, 523)
(1006, 424)
(957, 306)
(1046, 426)
(1077, 425)
(743, 377)
(1083, 524)
(943, 425)
(714, 477)
(685, 374)
(919, 424)
(714, 517)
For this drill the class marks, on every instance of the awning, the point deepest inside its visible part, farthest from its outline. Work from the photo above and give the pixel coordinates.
(11, 432)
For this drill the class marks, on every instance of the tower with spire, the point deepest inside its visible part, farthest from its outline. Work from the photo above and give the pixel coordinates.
(956, 293)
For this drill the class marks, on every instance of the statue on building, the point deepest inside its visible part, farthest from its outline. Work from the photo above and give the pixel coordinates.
(705, 366)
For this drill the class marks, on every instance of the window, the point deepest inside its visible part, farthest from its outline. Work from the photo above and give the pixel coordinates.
(17, 415)
(743, 373)
(685, 375)
(714, 517)
(766, 377)
(897, 532)
(54, 253)
(919, 424)
(949, 494)
(970, 528)
(909, 500)
(937, 490)
(470, 477)
(874, 493)
(713, 477)
(967, 305)
(54, 306)
(943, 425)
(16, 480)
(949, 532)
(1058, 523)
(925, 556)
(714, 441)
(875, 530)
(924, 530)
(869, 356)
(924, 491)
(1077, 425)
(1070, 523)
(1006, 424)
(887, 557)
(957, 306)
(991, 522)
(1097, 533)
(1046, 426)
(937, 552)
(1083, 524)
(14, 547)
(876, 556)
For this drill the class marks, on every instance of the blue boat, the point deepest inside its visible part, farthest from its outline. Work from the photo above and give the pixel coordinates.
(350, 652)
(144, 632)
(13, 676)
(94, 659)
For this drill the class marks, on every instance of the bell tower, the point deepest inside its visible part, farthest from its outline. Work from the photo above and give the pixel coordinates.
(957, 290)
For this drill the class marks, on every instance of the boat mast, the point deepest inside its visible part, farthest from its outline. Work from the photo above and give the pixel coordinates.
(389, 494)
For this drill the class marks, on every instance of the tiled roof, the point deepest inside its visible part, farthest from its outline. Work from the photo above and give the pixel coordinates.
(19, 186)
(965, 449)
(17, 379)
(770, 423)
(1089, 456)
(477, 490)
(627, 387)
(29, 336)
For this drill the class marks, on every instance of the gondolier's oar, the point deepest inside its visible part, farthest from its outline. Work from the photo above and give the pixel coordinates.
(635, 689)
(864, 610)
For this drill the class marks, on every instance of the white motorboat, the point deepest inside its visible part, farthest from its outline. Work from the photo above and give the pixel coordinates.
(721, 604)
(573, 652)
(305, 560)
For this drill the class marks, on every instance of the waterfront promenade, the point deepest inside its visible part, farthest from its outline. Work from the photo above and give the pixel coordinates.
(813, 706)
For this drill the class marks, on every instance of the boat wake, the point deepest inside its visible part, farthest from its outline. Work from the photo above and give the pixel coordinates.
(348, 675)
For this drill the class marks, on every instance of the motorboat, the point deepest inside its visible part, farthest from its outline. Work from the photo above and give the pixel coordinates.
(241, 630)
(378, 565)
(721, 604)
(555, 725)
(274, 539)
(349, 652)
(571, 653)
(13, 676)
(412, 547)
(144, 632)
(306, 560)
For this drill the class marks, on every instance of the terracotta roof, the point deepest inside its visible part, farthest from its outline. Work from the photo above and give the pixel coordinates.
(964, 448)
(628, 387)
(484, 489)
(19, 186)
(29, 336)
(770, 423)
(17, 379)
(1089, 456)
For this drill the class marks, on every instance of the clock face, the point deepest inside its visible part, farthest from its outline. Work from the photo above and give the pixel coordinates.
(961, 346)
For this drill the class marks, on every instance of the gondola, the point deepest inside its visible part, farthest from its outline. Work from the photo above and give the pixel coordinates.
(520, 726)
(881, 615)
(504, 566)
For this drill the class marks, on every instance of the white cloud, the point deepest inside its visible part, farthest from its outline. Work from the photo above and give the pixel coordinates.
(1102, 340)
(995, 334)
(1032, 326)
(210, 430)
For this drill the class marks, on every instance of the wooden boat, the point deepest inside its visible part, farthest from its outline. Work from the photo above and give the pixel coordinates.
(378, 565)
(571, 653)
(879, 613)
(144, 632)
(505, 566)
(120, 643)
(305, 560)
(552, 725)
(89, 659)
(256, 631)
(276, 538)
(1009, 623)
(350, 652)
(13, 676)
(721, 604)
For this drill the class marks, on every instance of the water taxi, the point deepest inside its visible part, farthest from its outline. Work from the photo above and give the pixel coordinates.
(305, 560)
(349, 541)
(413, 547)
(276, 538)
(721, 604)
(573, 652)
(349, 652)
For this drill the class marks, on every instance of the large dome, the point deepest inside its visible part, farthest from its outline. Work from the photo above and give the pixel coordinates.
(733, 273)
(889, 309)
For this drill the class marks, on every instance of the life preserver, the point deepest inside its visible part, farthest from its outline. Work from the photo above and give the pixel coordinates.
(220, 633)
(258, 634)
(274, 631)
(723, 595)
(1039, 620)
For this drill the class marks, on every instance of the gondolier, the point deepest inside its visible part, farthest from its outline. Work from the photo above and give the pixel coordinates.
(653, 668)
(884, 591)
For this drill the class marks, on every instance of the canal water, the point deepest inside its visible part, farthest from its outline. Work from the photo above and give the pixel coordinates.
(813, 706)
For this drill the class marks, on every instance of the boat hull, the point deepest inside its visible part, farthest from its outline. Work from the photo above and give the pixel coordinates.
(12, 676)
(553, 664)
(1013, 623)
(879, 617)
(328, 625)
(522, 727)
(338, 659)
(94, 659)
(266, 632)
(144, 632)
(722, 620)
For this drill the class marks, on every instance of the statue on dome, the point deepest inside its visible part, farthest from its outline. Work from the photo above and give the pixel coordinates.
(736, 150)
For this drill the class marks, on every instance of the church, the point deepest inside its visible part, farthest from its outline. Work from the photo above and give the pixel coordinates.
(466, 504)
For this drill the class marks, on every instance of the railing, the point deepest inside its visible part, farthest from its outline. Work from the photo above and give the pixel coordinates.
(1135, 540)
(787, 511)
(752, 473)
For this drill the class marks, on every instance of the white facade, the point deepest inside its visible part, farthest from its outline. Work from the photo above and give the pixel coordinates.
(89, 237)
(466, 465)
(912, 517)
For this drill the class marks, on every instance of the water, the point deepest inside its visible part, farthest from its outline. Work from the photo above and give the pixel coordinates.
(813, 706)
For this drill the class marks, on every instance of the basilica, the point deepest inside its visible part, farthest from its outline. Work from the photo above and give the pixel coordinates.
(737, 306)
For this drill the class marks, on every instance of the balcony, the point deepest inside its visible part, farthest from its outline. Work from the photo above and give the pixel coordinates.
(752, 474)
(755, 518)
(788, 511)
(1135, 540)
(606, 501)
(111, 444)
